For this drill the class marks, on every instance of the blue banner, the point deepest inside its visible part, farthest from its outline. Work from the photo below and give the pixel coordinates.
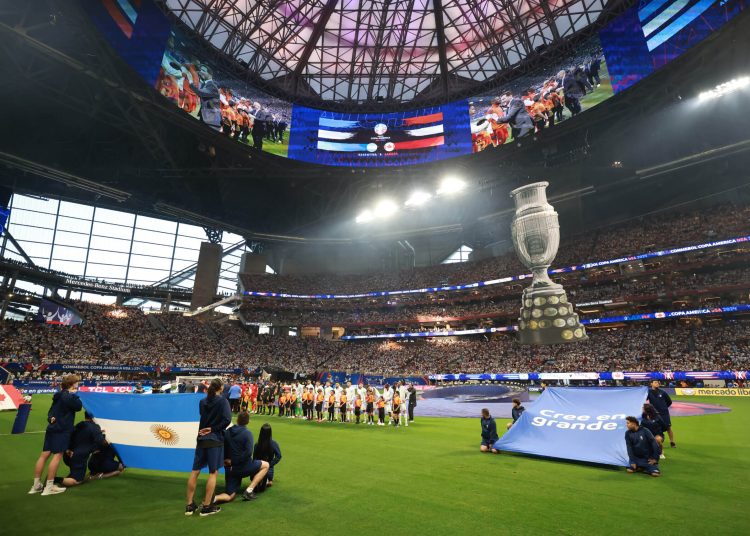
(583, 424)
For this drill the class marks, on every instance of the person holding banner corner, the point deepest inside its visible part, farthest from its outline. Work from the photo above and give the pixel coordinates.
(661, 401)
(489, 432)
(643, 450)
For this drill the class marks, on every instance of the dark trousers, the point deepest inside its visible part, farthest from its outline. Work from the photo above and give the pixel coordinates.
(259, 130)
(573, 104)
(411, 411)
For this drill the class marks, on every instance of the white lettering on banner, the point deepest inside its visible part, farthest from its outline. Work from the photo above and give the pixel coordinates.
(550, 418)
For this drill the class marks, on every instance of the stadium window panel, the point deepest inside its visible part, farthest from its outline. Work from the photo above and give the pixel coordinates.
(98, 298)
(270, 270)
(153, 224)
(178, 265)
(74, 225)
(460, 255)
(69, 267)
(68, 253)
(24, 233)
(34, 203)
(152, 250)
(36, 250)
(110, 244)
(109, 230)
(187, 255)
(29, 287)
(192, 231)
(33, 218)
(147, 275)
(75, 210)
(114, 216)
(108, 257)
(106, 271)
(143, 261)
(154, 237)
(66, 238)
(188, 242)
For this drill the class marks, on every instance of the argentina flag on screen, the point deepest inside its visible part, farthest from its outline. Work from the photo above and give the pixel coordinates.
(149, 432)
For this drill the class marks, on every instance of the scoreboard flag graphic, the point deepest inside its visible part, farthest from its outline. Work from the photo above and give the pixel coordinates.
(582, 424)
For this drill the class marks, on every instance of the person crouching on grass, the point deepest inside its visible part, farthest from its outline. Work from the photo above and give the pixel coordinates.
(489, 432)
(239, 463)
(60, 419)
(209, 451)
(652, 420)
(643, 450)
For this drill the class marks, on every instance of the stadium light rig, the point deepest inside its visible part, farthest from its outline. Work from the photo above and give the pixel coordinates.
(418, 199)
(385, 208)
(725, 88)
(451, 185)
(364, 217)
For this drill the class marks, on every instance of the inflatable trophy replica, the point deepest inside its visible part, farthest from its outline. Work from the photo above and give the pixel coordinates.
(547, 317)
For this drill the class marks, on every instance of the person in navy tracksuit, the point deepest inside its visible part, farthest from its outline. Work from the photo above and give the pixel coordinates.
(239, 463)
(60, 418)
(209, 451)
(489, 432)
(266, 449)
(661, 402)
(87, 437)
(643, 450)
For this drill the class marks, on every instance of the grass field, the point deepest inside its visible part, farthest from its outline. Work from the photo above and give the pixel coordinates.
(430, 478)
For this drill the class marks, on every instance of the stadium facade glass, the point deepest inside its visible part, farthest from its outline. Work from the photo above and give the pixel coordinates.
(111, 245)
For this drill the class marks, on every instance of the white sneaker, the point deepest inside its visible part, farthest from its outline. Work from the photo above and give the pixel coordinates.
(53, 490)
(662, 457)
(36, 489)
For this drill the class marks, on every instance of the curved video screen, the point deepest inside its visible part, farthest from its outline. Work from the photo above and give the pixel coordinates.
(640, 41)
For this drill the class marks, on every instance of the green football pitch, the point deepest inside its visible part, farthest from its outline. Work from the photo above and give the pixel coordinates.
(427, 479)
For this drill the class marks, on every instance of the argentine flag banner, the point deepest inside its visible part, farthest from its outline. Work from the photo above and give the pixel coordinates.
(585, 424)
(149, 432)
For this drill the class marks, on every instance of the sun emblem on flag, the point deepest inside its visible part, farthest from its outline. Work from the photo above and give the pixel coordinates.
(165, 434)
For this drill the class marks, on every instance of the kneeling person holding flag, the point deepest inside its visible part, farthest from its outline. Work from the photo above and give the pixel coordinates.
(238, 461)
(643, 450)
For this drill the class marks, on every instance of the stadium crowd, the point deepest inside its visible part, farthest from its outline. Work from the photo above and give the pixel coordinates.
(109, 338)
(650, 233)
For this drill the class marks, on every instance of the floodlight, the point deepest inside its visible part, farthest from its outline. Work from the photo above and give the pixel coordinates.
(364, 216)
(385, 208)
(418, 199)
(451, 185)
(725, 88)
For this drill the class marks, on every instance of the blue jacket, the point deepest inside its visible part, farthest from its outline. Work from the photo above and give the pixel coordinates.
(273, 459)
(215, 414)
(660, 400)
(641, 445)
(62, 413)
(489, 430)
(238, 445)
(517, 412)
(235, 391)
(87, 437)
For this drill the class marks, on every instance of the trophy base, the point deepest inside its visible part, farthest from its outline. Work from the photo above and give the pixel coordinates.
(548, 318)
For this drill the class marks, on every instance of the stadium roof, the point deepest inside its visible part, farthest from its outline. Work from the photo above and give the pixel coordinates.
(383, 50)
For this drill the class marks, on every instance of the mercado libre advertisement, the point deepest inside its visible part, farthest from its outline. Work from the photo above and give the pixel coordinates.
(379, 139)
(534, 102)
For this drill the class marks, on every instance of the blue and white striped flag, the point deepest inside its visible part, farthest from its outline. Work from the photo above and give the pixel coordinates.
(149, 432)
